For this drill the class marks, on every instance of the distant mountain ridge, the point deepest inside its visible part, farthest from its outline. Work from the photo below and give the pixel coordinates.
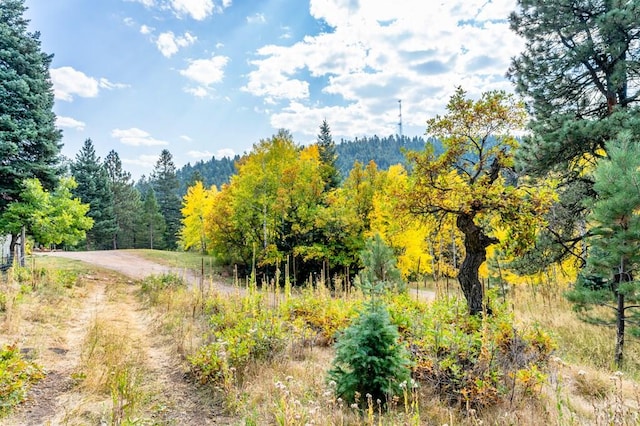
(384, 151)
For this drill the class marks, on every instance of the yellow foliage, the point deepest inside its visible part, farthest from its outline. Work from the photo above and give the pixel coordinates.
(196, 206)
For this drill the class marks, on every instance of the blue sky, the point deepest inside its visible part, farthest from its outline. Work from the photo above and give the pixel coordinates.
(206, 78)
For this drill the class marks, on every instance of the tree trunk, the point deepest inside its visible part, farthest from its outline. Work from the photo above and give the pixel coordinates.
(620, 319)
(623, 276)
(23, 246)
(475, 244)
(12, 249)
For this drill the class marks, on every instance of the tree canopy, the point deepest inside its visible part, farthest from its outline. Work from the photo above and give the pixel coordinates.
(93, 189)
(580, 77)
(473, 180)
(52, 218)
(29, 139)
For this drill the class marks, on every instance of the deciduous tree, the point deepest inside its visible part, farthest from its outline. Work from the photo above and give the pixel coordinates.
(196, 208)
(50, 217)
(473, 180)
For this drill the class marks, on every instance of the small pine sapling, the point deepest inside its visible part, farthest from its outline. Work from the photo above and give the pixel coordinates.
(370, 360)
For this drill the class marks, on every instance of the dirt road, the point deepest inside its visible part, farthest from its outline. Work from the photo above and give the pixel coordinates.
(103, 313)
(137, 267)
(124, 262)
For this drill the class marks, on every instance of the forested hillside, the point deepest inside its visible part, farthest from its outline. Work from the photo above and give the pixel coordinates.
(384, 151)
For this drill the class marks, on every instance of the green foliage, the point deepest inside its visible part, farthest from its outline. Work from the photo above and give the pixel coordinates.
(127, 203)
(579, 73)
(476, 362)
(385, 151)
(379, 266)
(370, 359)
(153, 285)
(607, 279)
(324, 314)
(16, 376)
(50, 217)
(151, 225)
(29, 139)
(94, 189)
(242, 332)
(214, 172)
(328, 156)
(165, 186)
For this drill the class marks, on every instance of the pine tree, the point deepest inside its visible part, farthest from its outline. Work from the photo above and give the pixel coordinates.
(579, 74)
(328, 157)
(151, 226)
(165, 185)
(29, 140)
(93, 189)
(608, 279)
(370, 358)
(127, 205)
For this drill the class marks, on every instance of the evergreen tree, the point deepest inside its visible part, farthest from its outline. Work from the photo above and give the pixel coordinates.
(380, 266)
(608, 278)
(151, 227)
(165, 185)
(370, 358)
(94, 189)
(328, 157)
(29, 140)
(127, 205)
(579, 74)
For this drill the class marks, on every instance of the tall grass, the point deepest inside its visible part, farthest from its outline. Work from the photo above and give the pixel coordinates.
(289, 386)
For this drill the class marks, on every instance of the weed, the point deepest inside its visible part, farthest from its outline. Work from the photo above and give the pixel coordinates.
(16, 376)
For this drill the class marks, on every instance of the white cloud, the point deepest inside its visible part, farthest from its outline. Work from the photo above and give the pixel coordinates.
(197, 9)
(136, 137)
(225, 152)
(199, 154)
(106, 84)
(146, 3)
(226, 3)
(145, 29)
(374, 55)
(186, 138)
(286, 33)
(144, 161)
(205, 72)
(71, 123)
(168, 43)
(67, 83)
(258, 18)
(198, 92)
(128, 21)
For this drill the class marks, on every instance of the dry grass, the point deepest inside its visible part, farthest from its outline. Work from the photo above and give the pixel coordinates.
(582, 387)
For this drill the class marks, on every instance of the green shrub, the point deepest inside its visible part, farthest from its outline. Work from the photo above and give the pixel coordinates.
(242, 333)
(16, 376)
(326, 315)
(475, 362)
(370, 360)
(153, 285)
